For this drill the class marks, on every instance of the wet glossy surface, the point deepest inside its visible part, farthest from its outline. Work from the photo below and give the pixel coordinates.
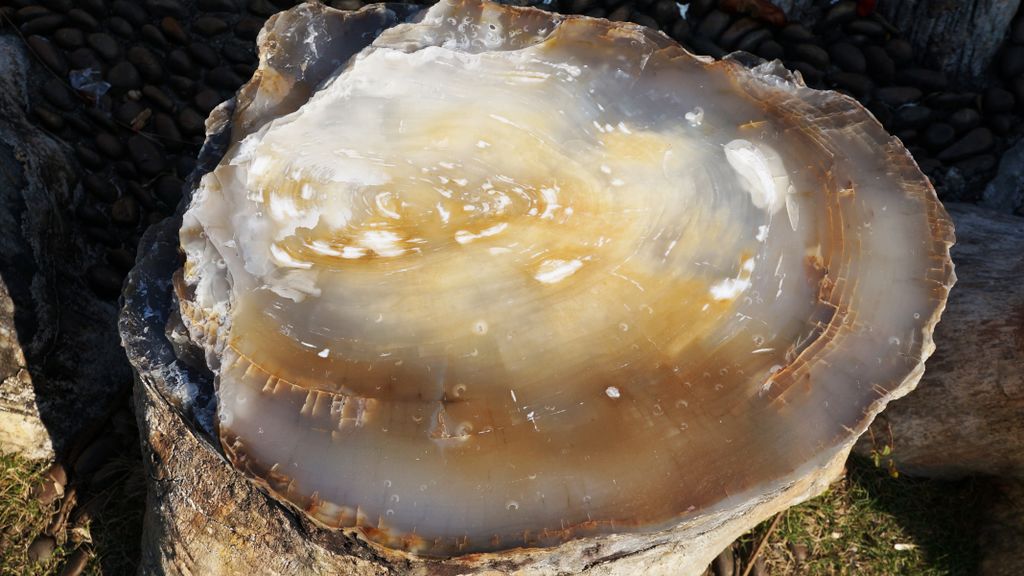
(508, 279)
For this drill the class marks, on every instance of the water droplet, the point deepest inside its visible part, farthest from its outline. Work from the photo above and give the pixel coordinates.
(389, 512)
(624, 327)
(512, 505)
(459, 390)
(586, 499)
(917, 316)
(658, 410)
(394, 498)
(894, 341)
(758, 340)
(387, 483)
(612, 392)
(423, 487)
(480, 327)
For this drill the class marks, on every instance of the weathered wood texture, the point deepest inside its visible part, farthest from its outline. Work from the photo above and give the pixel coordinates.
(967, 415)
(961, 37)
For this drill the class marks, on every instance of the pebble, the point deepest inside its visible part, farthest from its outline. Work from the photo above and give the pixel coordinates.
(265, 8)
(209, 25)
(964, 119)
(191, 122)
(186, 165)
(69, 38)
(976, 164)
(859, 84)
(153, 35)
(51, 56)
(58, 94)
(681, 31)
(158, 97)
(94, 7)
(897, 96)
(938, 135)
(1018, 91)
(1017, 32)
(224, 77)
(83, 58)
(84, 20)
(88, 156)
(166, 8)
(866, 28)
(126, 169)
(125, 211)
(123, 76)
(203, 54)
(714, 25)
(997, 100)
(218, 6)
(167, 130)
(43, 24)
(912, 116)
(1001, 124)
(131, 12)
(702, 45)
(31, 12)
(143, 195)
(178, 61)
(100, 188)
(121, 27)
(173, 31)
(78, 125)
(104, 45)
(146, 155)
(147, 64)
(127, 111)
(931, 80)
(206, 100)
(907, 136)
(102, 235)
(752, 41)
(974, 142)
(622, 13)
(248, 28)
(844, 11)
(1012, 62)
(796, 33)
(812, 54)
(848, 57)
(879, 65)
(109, 145)
(770, 50)
(737, 30)
(50, 119)
(644, 20)
(666, 12)
(76, 563)
(58, 5)
(811, 75)
(701, 7)
(900, 50)
(51, 485)
(952, 99)
(168, 190)
(183, 86)
(240, 54)
(41, 549)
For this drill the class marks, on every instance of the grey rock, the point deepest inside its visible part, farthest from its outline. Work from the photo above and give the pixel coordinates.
(900, 50)
(879, 65)
(938, 135)
(83, 58)
(69, 38)
(123, 77)
(924, 78)
(130, 11)
(109, 145)
(84, 20)
(1005, 192)
(61, 363)
(57, 93)
(912, 116)
(146, 63)
(43, 24)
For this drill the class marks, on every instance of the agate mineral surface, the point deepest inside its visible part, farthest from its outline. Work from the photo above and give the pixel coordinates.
(492, 277)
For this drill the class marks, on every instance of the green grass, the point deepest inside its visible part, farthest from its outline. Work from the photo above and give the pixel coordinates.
(870, 523)
(112, 536)
(852, 529)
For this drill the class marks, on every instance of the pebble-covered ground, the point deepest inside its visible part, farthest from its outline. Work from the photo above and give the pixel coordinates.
(127, 85)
